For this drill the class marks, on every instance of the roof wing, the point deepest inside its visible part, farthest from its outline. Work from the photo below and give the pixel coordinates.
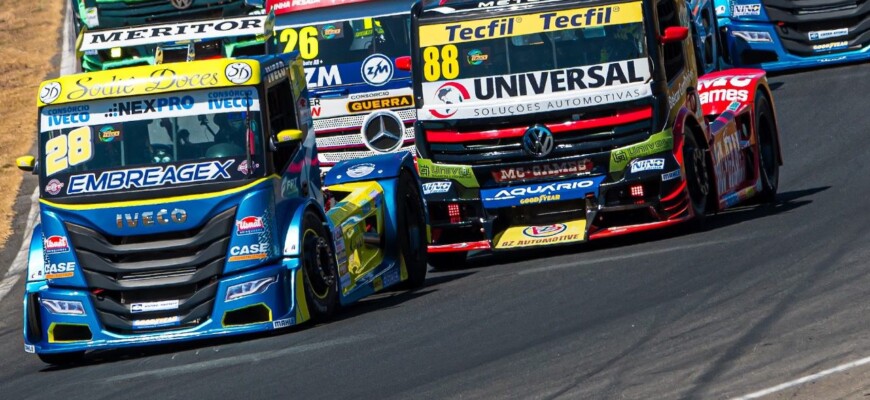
(280, 7)
(90, 42)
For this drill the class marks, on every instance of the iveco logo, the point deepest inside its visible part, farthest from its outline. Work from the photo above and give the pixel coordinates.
(383, 131)
(181, 4)
(150, 218)
(538, 141)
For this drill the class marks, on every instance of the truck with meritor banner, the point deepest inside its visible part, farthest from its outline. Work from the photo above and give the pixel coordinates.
(556, 122)
(184, 200)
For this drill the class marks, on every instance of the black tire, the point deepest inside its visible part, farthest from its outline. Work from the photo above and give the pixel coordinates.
(62, 358)
(768, 149)
(447, 261)
(319, 271)
(697, 178)
(411, 225)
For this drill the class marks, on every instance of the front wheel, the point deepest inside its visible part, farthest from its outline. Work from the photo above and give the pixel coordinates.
(768, 149)
(411, 225)
(318, 268)
(62, 358)
(697, 178)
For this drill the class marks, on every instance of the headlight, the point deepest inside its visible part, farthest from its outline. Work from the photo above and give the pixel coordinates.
(753, 36)
(64, 307)
(249, 288)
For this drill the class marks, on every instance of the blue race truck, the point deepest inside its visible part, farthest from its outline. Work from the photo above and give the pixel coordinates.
(183, 200)
(784, 34)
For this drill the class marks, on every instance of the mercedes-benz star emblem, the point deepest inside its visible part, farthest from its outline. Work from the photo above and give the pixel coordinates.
(181, 4)
(538, 141)
(383, 131)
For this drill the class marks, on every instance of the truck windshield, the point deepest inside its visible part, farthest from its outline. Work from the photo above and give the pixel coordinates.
(339, 43)
(148, 142)
(590, 49)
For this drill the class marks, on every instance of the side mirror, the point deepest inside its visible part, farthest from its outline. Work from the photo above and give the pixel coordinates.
(287, 138)
(674, 34)
(26, 163)
(403, 63)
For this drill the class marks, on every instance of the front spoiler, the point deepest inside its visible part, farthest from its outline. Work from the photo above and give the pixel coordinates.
(284, 299)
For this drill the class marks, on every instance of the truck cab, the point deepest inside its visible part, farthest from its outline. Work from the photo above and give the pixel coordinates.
(361, 104)
(554, 122)
(184, 200)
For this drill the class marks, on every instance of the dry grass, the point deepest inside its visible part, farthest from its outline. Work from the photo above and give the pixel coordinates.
(28, 40)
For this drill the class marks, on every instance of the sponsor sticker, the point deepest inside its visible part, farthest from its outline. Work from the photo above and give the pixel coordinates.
(543, 170)
(55, 244)
(653, 164)
(831, 46)
(476, 57)
(155, 322)
(741, 10)
(360, 170)
(149, 177)
(136, 308)
(49, 92)
(380, 103)
(29, 348)
(243, 167)
(250, 225)
(256, 251)
(377, 69)
(436, 187)
(53, 187)
(540, 193)
(331, 31)
(462, 174)
(828, 34)
(59, 270)
(671, 175)
(530, 236)
(283, 323)
(551, 21)
(656, 143)
(544, 231)
(108, 134)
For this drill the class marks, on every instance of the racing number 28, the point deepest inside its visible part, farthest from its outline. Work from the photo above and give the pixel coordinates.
(440, 63)
(64, 151)
(305, 38)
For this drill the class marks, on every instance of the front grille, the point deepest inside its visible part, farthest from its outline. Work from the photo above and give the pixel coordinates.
(125, 270)
(340, 139)
(574, 143)
(153, 11)
(797, 20)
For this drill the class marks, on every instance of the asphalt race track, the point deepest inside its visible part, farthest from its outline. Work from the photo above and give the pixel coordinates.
(765, 295)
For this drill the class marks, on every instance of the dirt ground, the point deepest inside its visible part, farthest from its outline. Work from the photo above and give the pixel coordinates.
(29, 33)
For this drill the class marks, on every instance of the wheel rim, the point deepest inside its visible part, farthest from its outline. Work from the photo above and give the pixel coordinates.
(317, 264)
(696, 167)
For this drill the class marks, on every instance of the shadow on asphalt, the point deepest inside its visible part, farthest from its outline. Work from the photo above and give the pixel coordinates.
(382, 301)
(785, 202)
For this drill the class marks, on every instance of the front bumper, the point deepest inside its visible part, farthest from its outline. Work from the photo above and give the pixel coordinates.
(636, 202)
(772, 55)
(280, 305)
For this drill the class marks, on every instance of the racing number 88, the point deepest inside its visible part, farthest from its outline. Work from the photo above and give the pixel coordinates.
(64, 151)
(305, 38)
(443, 63)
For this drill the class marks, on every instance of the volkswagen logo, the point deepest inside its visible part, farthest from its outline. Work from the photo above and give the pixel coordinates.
(538, 141)
(181, 4)
(383, 131)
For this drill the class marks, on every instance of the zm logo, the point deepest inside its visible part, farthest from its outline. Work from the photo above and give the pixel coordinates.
(377, 70)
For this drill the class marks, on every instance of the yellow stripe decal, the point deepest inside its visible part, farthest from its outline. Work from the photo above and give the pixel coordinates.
(134, 203)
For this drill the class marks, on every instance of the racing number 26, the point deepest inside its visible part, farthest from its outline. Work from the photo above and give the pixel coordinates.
(305, 38)
(440, 63)
(64, 151)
